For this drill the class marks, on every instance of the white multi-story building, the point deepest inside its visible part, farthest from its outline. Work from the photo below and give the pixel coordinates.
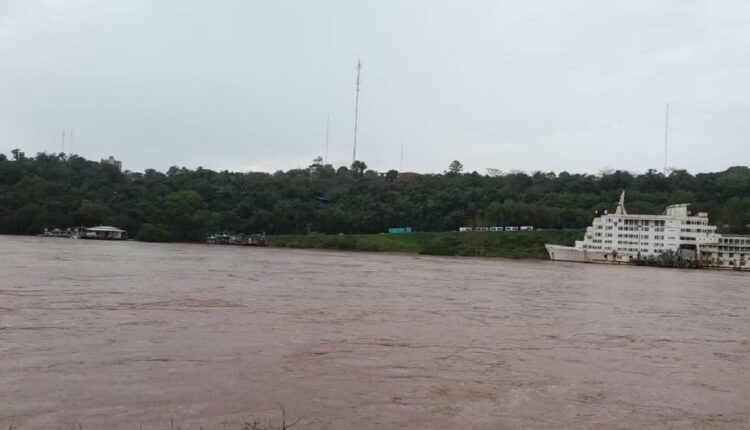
(621, 237)
(731, 251)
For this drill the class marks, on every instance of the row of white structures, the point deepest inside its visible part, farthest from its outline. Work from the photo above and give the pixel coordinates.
(509, 228)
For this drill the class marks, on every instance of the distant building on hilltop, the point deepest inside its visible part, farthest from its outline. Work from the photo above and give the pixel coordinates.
(112, 162)
(408, 176)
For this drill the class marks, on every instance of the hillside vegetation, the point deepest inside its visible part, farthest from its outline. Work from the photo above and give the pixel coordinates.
(523, 244)
(59, 190)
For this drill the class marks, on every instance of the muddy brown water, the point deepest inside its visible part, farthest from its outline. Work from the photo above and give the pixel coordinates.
(122, 335)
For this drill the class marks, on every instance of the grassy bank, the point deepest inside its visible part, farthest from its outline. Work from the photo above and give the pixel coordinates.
(520, 244)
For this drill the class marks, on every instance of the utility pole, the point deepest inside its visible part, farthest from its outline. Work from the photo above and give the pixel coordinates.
(666, 140)
(356, 110)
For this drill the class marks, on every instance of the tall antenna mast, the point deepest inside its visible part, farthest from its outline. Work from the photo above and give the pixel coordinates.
(401, 162)
(62, 142)
(71, 141)
(356, 110)
(666, 140)
(328, 122)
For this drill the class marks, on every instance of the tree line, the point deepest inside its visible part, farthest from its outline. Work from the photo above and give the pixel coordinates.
(61, 191)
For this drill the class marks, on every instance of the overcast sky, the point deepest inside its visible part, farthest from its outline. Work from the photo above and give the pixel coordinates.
(247, 85)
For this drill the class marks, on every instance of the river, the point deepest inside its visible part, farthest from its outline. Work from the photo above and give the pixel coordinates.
(123, 335)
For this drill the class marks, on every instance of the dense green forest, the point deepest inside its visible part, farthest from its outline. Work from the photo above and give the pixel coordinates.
(59, 190)
(521, 244)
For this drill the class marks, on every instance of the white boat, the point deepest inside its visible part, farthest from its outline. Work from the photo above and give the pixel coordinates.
(102, 232)
(570, 253)
(622, 238)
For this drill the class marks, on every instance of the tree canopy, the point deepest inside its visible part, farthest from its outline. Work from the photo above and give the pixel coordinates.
(58, 190)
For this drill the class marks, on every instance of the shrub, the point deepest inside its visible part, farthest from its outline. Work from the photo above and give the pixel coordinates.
(153, 233)
(444, 245)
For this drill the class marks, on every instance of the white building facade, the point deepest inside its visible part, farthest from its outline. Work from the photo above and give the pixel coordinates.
(647, 235)
(622, 237)
(731, 251)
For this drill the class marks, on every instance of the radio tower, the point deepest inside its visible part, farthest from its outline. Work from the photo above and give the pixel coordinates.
(666, 140)
(328, 122)
(356, 110)
(401, 162)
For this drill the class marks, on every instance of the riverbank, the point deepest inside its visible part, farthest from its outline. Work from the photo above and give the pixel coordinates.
(519, 244)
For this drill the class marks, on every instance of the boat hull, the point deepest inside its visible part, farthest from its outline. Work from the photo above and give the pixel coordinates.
(576, 255)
